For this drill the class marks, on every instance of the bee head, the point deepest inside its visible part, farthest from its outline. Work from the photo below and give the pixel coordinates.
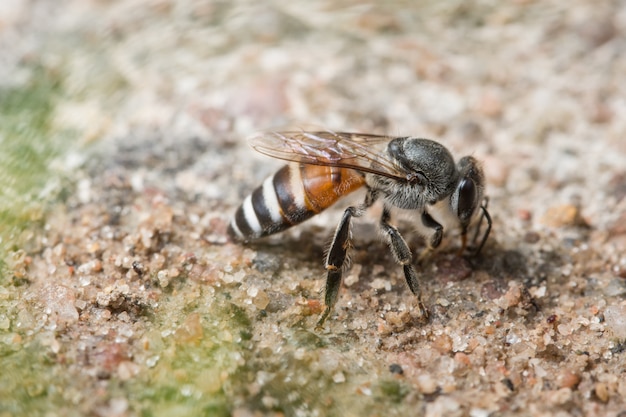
(427, 163)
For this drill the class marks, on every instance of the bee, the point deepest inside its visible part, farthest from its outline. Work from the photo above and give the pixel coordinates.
(406, 173)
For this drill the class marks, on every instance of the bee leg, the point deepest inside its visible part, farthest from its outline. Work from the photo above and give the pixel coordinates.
(337, 254)
(336, 257)
(333, 283)
(485, 214)
(435, 239)
(403, 256)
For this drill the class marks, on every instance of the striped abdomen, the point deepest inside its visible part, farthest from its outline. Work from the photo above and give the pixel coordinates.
(292, 195)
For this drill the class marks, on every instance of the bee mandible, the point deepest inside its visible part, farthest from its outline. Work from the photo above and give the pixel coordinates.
(406, 173)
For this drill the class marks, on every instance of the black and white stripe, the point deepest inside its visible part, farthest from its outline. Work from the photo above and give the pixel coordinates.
(276, 205)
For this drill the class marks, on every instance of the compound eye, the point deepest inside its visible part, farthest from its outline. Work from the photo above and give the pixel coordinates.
(467, 199)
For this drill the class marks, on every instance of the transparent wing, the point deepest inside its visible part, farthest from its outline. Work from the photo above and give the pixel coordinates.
(362, 152)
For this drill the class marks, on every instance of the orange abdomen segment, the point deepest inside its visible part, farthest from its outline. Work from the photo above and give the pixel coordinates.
(292, 195)
(324, 185)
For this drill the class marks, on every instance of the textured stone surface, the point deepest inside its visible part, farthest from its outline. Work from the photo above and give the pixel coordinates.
(131, 300)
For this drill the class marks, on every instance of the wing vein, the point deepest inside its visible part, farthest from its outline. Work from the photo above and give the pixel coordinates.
(361, 152)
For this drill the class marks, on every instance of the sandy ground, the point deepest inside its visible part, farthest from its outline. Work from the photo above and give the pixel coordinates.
(131, 301)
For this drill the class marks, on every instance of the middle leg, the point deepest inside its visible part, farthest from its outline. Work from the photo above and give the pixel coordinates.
(435, 239)
(402, 253)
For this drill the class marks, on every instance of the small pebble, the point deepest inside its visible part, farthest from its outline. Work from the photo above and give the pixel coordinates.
(565, 215)
(567, 379)
(442, 343)
(426, 384)
(602, 391)
(191, 331)
(453, 269)
(462, 359)
(394, 368)
(339, 378)
(615, 319)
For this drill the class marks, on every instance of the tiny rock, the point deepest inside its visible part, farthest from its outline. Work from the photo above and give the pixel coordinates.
(426, 384)
(567, 379)
(565, 215)
(615, 319)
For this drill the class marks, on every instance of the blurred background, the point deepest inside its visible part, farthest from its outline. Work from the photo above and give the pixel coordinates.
(161, 95)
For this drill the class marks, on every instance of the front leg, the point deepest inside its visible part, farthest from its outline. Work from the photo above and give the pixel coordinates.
(402, 254)
(484, 215)
(337, 254)
(435, 239)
